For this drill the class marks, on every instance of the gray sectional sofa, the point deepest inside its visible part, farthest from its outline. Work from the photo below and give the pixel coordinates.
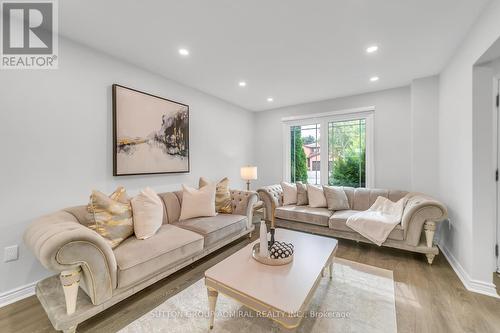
(106, 276)
(415, 232)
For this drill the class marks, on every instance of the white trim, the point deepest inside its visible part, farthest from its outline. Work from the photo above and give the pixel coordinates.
(367, 113)
(476, 286)
(17, 294)
(329, 113)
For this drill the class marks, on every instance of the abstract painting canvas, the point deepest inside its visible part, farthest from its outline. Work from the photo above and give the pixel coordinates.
(151, 133)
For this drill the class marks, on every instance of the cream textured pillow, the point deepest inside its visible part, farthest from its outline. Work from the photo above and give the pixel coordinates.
(197, 203)
(147, 209)
(336, 198)
(111, 216)
(301, 194)
(222, 195)
(315, 196)
(289, 193)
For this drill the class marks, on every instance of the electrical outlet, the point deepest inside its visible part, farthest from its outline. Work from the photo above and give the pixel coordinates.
(10, 253)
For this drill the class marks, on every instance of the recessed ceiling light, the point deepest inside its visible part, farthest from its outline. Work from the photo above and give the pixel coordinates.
(374, 78)
(270, 99)
(242, 84)
(184, 52)
(372, 49)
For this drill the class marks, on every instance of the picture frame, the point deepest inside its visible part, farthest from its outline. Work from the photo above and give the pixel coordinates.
(150, 133)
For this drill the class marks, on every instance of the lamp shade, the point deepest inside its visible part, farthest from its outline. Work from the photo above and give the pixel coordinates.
(248, 172)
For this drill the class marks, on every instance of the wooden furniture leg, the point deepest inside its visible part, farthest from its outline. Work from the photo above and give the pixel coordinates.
(212, 300)
(330, 269)
(70, 281)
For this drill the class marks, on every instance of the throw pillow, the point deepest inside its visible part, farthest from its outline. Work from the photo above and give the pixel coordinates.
(222, 195)
(147, 209)
(198, 203)
(336, 198)
(111, 216)
(302, 194)
(289, 193)
(316, 196)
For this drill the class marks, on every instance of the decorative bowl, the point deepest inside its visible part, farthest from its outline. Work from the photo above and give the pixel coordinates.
(267, 260)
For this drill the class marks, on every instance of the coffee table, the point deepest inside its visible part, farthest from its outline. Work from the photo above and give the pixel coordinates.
(281, 293)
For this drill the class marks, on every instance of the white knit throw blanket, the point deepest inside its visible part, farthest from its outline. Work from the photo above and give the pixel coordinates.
(379, 220)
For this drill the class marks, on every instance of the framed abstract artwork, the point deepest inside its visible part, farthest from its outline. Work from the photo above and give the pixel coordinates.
(150, 134)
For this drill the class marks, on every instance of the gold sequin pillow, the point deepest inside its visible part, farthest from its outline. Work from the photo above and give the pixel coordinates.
(111, 216)
(222, 195)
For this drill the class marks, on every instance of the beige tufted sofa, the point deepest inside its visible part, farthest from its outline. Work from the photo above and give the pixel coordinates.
(106, 276)
(415, 232)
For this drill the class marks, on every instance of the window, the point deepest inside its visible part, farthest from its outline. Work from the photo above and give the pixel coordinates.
(305, 154)
(346, 159)
(347, 153)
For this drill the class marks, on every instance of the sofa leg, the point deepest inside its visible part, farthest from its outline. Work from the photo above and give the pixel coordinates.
(70, 281)
(430, 229)
(430, 258)
(250, 235)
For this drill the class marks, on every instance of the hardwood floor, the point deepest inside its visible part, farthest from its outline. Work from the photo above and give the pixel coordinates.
(428, 298)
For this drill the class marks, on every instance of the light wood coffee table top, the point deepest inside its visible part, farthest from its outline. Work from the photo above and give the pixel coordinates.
(285, 289)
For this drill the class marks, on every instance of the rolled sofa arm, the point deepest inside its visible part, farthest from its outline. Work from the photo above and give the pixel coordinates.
(243, 202)
(272, 196)
(61, 243)
(421, 212)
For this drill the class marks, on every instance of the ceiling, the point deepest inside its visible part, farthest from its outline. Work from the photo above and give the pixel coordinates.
(296, 51)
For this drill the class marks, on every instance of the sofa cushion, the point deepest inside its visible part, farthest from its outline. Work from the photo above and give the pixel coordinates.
(198, 202)
(215, 228)
(336, 199)
(112, 216)
(316, 196)
(302, 194)
(147, 211)
(304, 214)
(339, 218)
(222, 195)
(289, 193)
(140, 259)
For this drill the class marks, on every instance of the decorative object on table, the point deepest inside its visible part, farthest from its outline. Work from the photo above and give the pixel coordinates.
(222, 195)
(267, 260)
(150, 133)
(248, 173)
(281, 250)
(263, 239)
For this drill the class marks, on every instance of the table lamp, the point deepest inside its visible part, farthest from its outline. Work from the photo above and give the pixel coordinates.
(248, 173)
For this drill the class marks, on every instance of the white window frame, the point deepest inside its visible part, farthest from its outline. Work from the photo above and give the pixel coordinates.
(367, 113)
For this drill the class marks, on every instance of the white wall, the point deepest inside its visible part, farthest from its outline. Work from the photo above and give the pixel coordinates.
(55, 130)
(456, 150)
(424, 135)
(391, 137)
(484, 165)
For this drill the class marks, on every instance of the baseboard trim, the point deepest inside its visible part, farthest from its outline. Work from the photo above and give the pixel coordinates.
(477, 286)
(17, 294)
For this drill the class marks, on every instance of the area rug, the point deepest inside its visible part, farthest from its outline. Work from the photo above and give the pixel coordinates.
(359, 298)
